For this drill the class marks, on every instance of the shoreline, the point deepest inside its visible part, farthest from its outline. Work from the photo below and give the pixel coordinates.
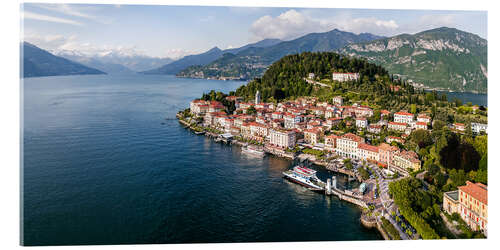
(335, 192)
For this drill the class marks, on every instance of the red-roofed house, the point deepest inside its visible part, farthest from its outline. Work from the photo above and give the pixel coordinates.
(312, 136)
(386, 153)
(424, 118)
(347, 145)
(399, 126)
(331, 142)
(368, 152)
(403, 117)
(421, 125)
(473, 205)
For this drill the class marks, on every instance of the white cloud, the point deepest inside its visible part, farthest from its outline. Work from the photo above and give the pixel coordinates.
(178, 53)
(40, 17)
(59, 44)
(80, 11)
(292, 24)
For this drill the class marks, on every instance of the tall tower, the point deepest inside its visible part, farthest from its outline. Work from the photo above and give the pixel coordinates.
(257, 97)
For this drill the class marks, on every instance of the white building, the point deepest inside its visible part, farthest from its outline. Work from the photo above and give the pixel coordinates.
(399, 126)
(338, 100)
(403, 117)
(342, 77)
(291, 120)
(361, 122)
(478, 127)
(423, 118)
(311, 76)
(347, 145)
(282, 138)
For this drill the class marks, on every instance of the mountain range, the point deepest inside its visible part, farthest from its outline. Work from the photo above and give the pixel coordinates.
(253, 61)
(39, 62)
(442, 58)
(206, 57)
(114, 62)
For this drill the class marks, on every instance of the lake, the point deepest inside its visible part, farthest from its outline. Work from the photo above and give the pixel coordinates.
(101, 168)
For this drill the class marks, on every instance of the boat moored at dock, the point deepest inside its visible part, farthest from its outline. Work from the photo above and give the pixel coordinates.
(306, 177)
(253, 150)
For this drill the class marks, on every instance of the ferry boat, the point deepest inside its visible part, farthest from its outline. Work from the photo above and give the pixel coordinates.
(253, 150)
(305, 176)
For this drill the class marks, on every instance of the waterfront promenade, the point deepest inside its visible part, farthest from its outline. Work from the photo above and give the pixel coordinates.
(383, 205)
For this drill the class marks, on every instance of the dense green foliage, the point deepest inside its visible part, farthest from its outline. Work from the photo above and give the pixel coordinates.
(284, 79)
(417, 206)
(390, 229)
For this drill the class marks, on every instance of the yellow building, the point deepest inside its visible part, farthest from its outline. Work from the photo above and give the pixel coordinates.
(473, 205)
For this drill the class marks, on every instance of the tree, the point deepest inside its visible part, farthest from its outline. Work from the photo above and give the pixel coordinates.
(251, 110)
(421, 137)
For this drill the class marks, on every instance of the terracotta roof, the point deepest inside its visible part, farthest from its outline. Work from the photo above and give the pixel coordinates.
(404, 113)
(387, 147)
(352, 137)
(421, 123)
(368, 147)
(397, 123)
(478, 191)
(256, 124)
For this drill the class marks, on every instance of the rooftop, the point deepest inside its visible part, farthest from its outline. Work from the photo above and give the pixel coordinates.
(478, 191)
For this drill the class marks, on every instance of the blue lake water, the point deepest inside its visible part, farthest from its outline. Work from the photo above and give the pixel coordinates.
(465, 97)
(101, 168)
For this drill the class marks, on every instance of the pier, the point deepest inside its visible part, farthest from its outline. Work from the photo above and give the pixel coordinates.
(343, 195)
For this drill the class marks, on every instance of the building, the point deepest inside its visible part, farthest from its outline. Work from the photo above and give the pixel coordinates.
(361, 122)
(405, 160)
(403, 117)
(312, 136)
(424, 118)
(258, 131)
(421, 125)
(338, 100)
(384, 113)
(375, 129)
(399, 126)
(342, 77)
(386, 153)
(390, 139)
(282, 138)
(331, 142)
(473, 205)
(198, 107)
(347, 145)
(257, 97)
(459, 126)
(291, 120)
(451, 202)
(311, 76)
(368, 152)
(478, 127)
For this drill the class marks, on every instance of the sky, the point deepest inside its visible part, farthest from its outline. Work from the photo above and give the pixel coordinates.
(176, 31)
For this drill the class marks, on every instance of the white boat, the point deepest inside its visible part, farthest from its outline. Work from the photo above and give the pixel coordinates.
(305, 176)
(253, 150)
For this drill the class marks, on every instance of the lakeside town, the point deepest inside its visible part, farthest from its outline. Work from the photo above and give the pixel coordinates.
(365, 142)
